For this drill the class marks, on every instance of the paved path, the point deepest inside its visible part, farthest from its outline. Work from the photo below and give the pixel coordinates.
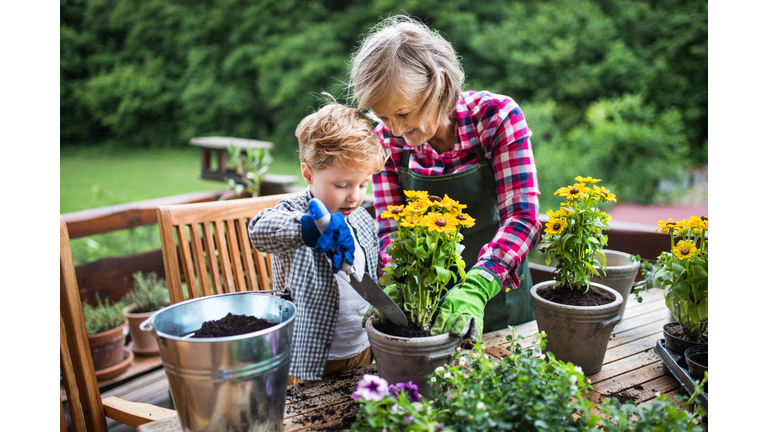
(650, 215)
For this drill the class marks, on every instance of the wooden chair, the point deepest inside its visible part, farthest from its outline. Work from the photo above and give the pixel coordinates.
(209, 242)
(88, 411)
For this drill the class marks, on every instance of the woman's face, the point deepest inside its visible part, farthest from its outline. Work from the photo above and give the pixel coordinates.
(403, 118)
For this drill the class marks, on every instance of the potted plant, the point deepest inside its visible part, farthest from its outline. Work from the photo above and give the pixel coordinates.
(426, 260)
(250, 166)
(105, 325)
(577, 314)
(526, 390)
(149, 295)
(683, 274)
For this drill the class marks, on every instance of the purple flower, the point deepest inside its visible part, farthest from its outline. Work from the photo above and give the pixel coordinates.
(411, 390)
(371, 387)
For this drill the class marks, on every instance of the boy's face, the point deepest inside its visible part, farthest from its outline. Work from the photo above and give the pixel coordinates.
(339, 188)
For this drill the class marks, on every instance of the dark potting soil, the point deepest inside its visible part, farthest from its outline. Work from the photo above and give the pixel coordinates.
(677, 331)
(390, 328)
(232, 325)
(564, 296)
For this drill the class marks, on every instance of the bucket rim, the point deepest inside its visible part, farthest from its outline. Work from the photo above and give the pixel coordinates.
(150, 321)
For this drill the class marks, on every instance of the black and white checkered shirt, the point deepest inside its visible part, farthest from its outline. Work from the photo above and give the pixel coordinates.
(308, 276)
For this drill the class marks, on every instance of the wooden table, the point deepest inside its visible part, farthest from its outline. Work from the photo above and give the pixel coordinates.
(631, 370)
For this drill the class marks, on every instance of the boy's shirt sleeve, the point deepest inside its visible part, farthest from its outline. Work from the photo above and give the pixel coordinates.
(277, 229)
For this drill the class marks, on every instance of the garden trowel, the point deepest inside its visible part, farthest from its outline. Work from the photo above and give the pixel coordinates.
(367, 287)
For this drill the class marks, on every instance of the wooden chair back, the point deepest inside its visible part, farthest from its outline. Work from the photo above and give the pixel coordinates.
(209, 243)
(88, 411)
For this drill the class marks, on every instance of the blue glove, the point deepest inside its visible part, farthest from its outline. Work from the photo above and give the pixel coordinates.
(336, 242)
(309, 231)
(462, 311)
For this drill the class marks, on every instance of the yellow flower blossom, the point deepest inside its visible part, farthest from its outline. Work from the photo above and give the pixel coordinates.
(560, 213)
(555, 226)
(682, 227)
(418, 207)
(698, 223)
(441, 222)
(464, 219)
(416, 195)
(572, 192)
(666, 227)
(395, 212)
(684, 249)
(607, 195)
(451, 204)
(589, 181)
(410, 221)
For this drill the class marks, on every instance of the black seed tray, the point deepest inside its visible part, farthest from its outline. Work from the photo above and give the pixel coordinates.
(676, 366)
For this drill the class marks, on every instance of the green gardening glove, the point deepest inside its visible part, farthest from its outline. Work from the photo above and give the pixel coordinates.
(461, 313)
(392, 292)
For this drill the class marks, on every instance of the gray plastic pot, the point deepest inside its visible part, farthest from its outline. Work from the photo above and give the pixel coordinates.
(403, 359)
(577, 334)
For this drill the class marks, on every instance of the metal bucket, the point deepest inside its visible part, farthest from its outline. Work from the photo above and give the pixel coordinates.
(235, 383)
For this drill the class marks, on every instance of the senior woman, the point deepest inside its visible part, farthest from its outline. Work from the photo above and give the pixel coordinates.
(473, 146)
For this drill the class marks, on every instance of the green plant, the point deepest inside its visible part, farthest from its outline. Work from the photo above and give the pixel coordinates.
(149, 293)
(683, 274)
(426, 253)
(103, 317)
(250, 165)
(526, 390)
(574, 234)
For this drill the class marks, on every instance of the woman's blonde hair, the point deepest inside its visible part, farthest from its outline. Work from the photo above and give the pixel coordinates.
(402, 57)
(339, 135)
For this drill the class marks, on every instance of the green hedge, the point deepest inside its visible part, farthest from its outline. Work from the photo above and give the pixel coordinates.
(154, 73)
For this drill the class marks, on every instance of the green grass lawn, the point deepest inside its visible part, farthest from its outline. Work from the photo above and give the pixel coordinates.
(98, 177)
(95, 177)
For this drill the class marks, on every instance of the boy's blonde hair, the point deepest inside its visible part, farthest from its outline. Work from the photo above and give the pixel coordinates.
(339, 135)
(402, 57)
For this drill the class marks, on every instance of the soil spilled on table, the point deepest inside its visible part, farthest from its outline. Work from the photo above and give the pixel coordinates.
(232, 325)
(565, 296)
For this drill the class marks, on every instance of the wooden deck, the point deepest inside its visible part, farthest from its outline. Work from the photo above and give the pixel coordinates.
(631, 370)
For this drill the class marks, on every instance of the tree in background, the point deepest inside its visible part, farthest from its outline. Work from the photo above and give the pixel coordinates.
(154, 73)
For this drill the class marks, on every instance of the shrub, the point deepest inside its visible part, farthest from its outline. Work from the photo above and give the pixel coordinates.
(103, 317)
(149, 293)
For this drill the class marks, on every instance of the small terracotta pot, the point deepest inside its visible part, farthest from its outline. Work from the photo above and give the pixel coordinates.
(107, 347)
(144, 343)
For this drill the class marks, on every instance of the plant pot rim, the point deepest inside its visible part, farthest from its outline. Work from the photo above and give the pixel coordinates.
(97, 335)
(618, 298)
(443, 336)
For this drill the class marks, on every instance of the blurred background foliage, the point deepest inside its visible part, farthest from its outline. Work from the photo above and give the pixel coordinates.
(614, 89)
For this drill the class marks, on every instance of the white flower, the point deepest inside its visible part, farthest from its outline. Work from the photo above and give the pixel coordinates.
(463, 361)
(458, 349)
(573, 379)
(658, 394)
(543, 356)
(480, 406)
(439, 369)
(433, 379)
(447, 375)
(578, 369)
(543, 333)
(573, 389)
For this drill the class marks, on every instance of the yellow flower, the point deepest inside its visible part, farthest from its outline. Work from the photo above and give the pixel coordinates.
(441, 222)
(451, 204)
(416, 195)
(684, 249)
(607, 195)
(682, 227)
(464, 219)
(560, 213)
(417, 207)
(587, 181)
(572, 192)
(555, 226)
(410, 221)
(395, 212)
(666, 227)
(696, 222)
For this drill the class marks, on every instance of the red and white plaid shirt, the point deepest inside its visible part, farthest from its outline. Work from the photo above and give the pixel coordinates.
(497, 122)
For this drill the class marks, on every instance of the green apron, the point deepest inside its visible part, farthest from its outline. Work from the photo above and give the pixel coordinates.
(475, 187)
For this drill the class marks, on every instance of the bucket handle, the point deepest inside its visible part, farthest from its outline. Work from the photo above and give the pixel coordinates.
(611, 322)
(146, 325)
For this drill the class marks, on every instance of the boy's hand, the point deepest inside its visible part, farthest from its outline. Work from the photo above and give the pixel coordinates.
(335, 242)
(461, 313)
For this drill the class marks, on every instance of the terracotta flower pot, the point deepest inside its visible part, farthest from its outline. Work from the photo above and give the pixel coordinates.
(144, 343)
(107, 347)
(403, 359)
(577, 334)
